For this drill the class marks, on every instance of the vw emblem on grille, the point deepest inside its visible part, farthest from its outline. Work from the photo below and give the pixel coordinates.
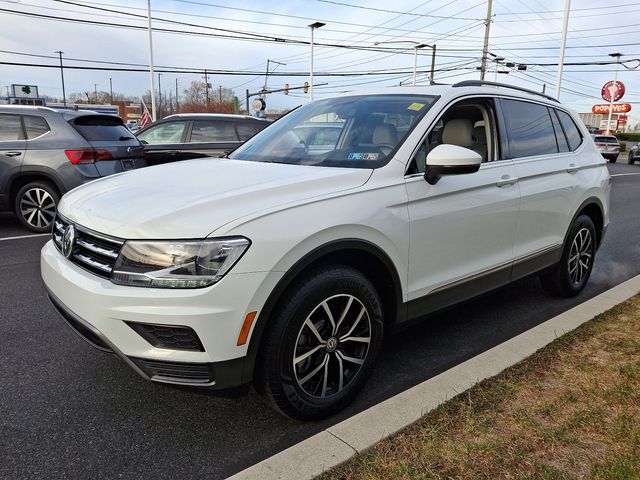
(68, 240)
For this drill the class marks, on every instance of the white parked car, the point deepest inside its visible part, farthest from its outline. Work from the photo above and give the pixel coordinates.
(284, 266)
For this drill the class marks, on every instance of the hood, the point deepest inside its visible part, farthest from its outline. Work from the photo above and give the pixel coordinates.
(192, 198)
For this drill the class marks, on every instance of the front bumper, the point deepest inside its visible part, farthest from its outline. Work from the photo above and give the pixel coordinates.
(99, 311)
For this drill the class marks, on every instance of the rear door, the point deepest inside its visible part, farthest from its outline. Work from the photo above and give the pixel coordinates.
(211, 138)
(118, 149)
(163, 141)
(546, 167)
(12, 153)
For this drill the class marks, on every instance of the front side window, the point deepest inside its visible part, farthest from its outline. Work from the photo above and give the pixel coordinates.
(353, 131)
(35, 126)
(163, 133)
(212, 131)
(530, 129)
(10, 128)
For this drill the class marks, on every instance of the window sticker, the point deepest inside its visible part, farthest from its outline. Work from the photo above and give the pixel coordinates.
(363, 156)
(415, 106)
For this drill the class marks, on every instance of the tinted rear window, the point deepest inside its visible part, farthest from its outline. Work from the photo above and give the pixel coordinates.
(248, 130)
(204, 131)
(101, 128)
(530, 129)
(605, 140)
(35, 126)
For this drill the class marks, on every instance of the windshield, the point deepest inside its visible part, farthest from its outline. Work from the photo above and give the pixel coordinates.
(354, 131)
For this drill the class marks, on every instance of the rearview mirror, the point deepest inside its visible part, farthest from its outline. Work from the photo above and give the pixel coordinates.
(450, 160)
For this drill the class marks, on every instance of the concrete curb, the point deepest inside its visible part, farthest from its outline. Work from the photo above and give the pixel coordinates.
(338, 443)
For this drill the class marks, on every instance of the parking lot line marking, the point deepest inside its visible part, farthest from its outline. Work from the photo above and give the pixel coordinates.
(623, 174)
(26, 236)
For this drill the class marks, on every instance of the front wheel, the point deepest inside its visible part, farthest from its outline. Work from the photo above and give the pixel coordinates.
(35, 206)
(321, 343)
(570, 275)
(631, 161)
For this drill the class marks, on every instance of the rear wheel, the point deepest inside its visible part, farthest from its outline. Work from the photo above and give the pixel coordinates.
(570, 275)
(631, 160)
(613, 159)
(36, 204)
(321, 343)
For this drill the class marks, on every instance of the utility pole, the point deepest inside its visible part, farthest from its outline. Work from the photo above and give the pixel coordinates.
(485, 48)
(563, 43)
(64, 96)
(612, 91)
(151, 75)
(159, 97)
(247, 99)
(170, 101)
(206, 86)
(220, 93)
(177, 97)
(111, 90)
(95, 93)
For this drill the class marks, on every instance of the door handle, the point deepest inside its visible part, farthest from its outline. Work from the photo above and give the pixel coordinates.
(572, 168)
(506, 180)
(13, 154)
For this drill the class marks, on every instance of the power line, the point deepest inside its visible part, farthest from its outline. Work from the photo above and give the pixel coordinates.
(393, 11)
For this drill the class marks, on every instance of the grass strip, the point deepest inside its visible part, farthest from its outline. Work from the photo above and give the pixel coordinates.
(570, 411)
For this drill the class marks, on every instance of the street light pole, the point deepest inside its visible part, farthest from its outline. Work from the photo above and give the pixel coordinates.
(417, 46)
(313, 26)
(613, 90)
(111, 90)
(64, 96)
(151, 73)
(563, 43)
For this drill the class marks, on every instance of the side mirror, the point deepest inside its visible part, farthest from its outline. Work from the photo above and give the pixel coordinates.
(450, 160)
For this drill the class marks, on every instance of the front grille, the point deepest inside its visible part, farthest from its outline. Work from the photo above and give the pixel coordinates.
(175, 337)
(93, 251)
(175, 372)
(86, 333)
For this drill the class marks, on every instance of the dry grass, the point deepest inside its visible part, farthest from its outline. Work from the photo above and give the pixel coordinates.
(571, 411)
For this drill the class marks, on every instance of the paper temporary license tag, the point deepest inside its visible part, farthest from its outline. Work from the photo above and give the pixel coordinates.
(363, 156)
(415, 106)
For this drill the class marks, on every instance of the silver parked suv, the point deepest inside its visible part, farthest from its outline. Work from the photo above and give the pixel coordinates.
(45, 153)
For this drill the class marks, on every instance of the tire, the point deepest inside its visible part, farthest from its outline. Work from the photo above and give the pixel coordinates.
(35, 205)
(613, 159)
(631, 161)
(312, 386)
(571, 274)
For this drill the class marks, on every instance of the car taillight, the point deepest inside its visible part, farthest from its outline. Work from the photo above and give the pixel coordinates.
(87, 156)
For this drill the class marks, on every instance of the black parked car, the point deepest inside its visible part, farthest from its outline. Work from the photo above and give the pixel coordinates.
(194, 135)
(46, 152)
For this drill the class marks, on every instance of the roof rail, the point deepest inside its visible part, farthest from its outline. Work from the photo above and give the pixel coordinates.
(480, 83)
(29, 107)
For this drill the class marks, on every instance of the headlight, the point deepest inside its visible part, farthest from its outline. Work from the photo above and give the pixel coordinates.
(177, 264)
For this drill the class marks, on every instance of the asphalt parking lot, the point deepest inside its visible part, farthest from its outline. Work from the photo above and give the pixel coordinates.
(69, 411)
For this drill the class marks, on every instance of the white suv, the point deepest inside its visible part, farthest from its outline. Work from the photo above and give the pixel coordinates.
(284, 265)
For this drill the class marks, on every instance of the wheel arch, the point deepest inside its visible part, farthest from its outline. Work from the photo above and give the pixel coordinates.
(360, 254)
(22, 178)
(593, 208)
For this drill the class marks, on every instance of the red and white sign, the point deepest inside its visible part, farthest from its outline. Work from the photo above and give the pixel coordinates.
(613, 90)
(615, 108)
(622, 121)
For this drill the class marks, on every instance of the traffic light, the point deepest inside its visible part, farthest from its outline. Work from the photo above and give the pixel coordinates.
(286, 89)
(306, 87)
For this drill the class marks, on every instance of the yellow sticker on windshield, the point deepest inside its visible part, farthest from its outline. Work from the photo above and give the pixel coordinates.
(415, 106)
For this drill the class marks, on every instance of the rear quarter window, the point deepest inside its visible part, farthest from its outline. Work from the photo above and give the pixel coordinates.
(101, 128)
(574, 137)
(35, 126)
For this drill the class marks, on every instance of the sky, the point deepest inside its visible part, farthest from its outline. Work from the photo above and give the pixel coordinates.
(522, 31)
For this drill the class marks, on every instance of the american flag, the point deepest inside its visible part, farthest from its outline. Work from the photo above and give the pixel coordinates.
(145, 118)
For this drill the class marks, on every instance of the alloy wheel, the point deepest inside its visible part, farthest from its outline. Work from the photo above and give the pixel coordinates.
(38, 207)
(332, 346)
(580, 256)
